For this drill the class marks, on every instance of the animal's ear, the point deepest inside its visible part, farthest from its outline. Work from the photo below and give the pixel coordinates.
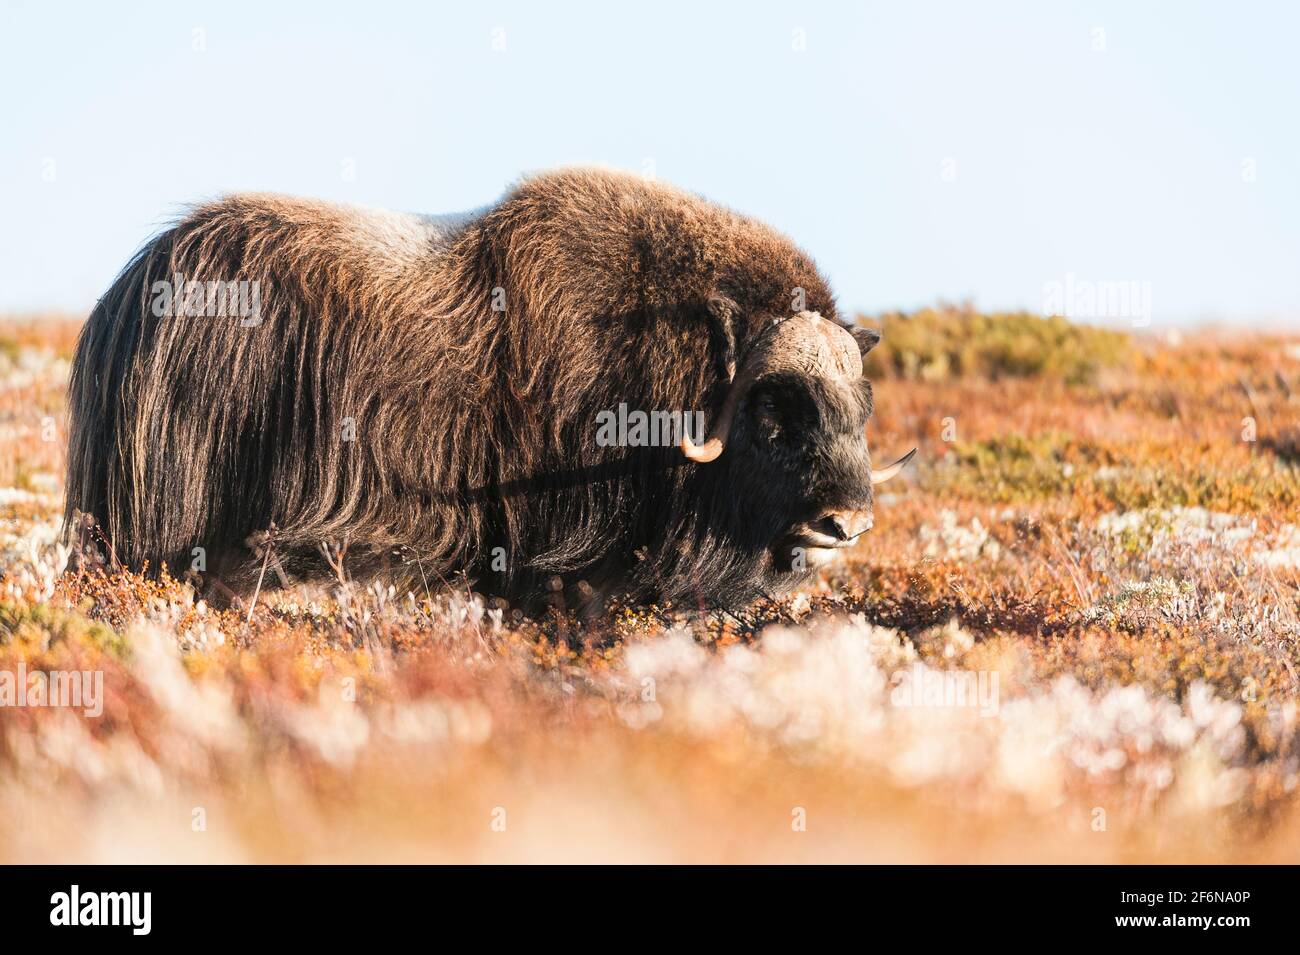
(867, 338)
(722, 317)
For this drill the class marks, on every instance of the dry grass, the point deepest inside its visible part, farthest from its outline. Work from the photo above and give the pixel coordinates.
(1088, 526)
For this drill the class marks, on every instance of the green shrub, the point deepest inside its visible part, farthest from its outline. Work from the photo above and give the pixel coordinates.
(952, 341)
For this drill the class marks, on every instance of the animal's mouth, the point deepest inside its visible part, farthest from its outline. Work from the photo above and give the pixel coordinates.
(804, 547)
(831, 532)
(816, 540)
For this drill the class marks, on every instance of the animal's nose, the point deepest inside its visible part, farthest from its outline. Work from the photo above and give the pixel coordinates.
(846, 525)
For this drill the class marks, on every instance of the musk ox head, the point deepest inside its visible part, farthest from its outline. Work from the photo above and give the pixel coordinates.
(790, 442)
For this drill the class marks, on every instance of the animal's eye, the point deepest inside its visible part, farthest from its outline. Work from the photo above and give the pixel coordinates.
(782, 412)
(767, 413)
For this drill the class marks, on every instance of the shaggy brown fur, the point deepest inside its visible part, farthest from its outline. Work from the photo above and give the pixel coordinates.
(474, 427)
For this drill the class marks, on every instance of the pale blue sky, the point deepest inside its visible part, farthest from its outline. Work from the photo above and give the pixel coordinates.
(918, 150)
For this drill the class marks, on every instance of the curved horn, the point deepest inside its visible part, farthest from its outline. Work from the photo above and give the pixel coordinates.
(710, 450)
(885, 473)
(807, 343)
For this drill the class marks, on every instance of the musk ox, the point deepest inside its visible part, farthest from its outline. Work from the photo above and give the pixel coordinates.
(285, 382)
